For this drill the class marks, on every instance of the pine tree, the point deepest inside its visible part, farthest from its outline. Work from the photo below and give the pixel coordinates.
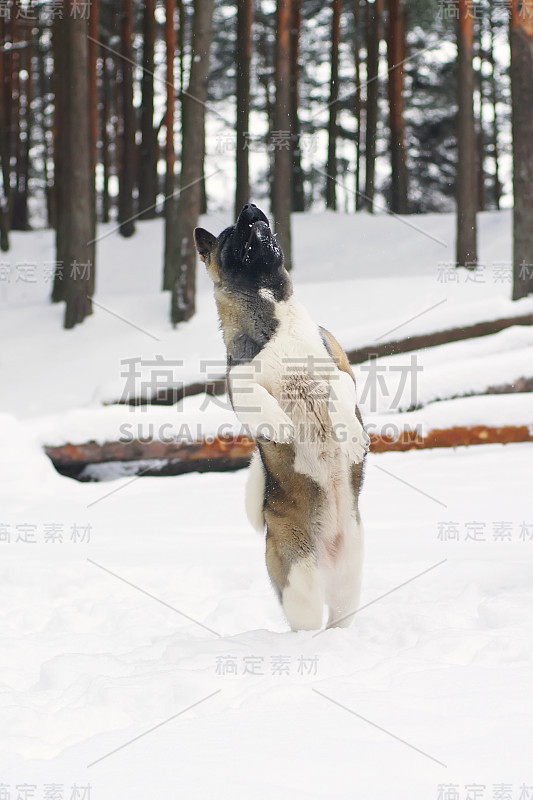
(298, 194)
(281, 189)
(183, 301)
(171, 203)
(396, 56)
(243, 61)
(77, 196)
(148, 147)
(374, 13)
(128, 161)
(521, 36)
(466, 184)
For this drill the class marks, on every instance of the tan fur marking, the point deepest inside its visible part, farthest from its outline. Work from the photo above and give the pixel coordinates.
(212, 267)
(341, 360)
(339, 356)
(291, 510)
(230, 313)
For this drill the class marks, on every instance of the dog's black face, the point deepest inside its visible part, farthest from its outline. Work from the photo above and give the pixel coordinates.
(246, 256)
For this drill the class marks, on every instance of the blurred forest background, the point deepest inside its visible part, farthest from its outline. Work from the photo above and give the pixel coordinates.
(122, 111)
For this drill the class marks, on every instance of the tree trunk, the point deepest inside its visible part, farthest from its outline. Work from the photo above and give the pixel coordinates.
(281, 190)
(60, 143)
(358, 102)
(192, 152)
(118, 127)
(481, 126)
(43, 85)
(20, 85)
(77, 208)
(106, 107)
(331, 166)
(171, 202)
(20, 215)
(24, 188)
(245, 12)
(494, 100)
(521, 36)
(128, 164)
(181, 45)
(265, 78)
(298, 194)
(374, 12)
(466, 184)
(396, 50)
(148, 148)
(94, 25)
(5, 99)
(203, 187)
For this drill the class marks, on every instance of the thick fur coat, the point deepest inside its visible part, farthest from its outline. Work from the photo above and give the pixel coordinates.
(291, 385)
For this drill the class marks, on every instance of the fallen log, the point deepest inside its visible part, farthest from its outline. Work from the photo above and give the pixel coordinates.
(168, 458)
(217, 386)
(411, 343)
(452, 437)
(232, 453)
(174, 394)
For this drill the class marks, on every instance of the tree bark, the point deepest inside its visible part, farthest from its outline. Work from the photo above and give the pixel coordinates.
(148, 148)
(521, 36)
(181, 45)
(77, 204)
(358, 102)
(21, 89)
(281, 190)
(331, 166)
(128, 164)
(374, 12)
(5, 99)
(94, 28)
(192, 151)
(298, 194)
(43, 85)
(265, 73)
(171, 202)
(106, 107)
(494, 99)
(203, 187)
(396, 50)
(245, 12)
(118, 127)
(60, 143)
(466, 183)
(481, 126)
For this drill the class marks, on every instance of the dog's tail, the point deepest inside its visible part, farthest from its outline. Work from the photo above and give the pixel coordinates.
(255, 493)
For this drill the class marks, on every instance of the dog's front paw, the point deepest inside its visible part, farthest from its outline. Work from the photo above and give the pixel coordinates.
(280, 433)
(356, 443)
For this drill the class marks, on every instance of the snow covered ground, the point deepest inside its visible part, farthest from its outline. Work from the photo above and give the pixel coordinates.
(143, 650)
(164, 603)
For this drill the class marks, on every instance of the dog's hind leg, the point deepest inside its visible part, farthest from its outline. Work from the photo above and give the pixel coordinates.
(303, 596)
(343, 594)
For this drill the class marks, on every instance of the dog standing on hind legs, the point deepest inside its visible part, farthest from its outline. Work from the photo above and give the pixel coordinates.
(291, 385)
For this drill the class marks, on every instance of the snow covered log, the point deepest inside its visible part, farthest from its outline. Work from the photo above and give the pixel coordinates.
(154, 457)
(216, 387)
(234, 452)
(410, 343)
(453, 437)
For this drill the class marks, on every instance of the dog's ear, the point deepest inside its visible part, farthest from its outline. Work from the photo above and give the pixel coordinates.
(204, 242)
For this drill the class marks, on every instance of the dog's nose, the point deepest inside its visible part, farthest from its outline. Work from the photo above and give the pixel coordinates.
(250, 214)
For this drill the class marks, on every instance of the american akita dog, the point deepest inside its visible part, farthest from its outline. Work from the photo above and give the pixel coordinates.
(291, 385)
